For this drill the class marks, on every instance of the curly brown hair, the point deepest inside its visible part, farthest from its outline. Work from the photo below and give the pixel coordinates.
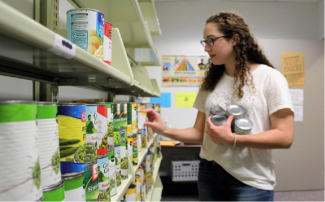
(247, 50)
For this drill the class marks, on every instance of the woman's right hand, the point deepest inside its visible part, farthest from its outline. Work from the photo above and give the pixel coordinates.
(154, 121)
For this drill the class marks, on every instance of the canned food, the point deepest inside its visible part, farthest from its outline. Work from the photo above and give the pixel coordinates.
(135, 149)
(139, 141)
(85, 28)
(55, 193)
(48, 143)
(101, 126)
(91, 133)
(142, 117)
(74, 186)
(218, 120)
(131, 193)
(123, 121)
(107, 54)
(124, 161)
(138, 187)
(91, 182)
(217, 111)
(235, 110)
(110, 129)
(243, 126)
(112, 172)
(118, 164)
(103, 178)
(144, 137)
(20, 176)
(116, 123)
(72, 137)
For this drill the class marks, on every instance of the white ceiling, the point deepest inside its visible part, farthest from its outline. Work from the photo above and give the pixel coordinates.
(292, 1)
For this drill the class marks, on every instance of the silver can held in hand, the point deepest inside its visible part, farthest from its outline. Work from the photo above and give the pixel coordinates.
(218, 120)
(243, 126)
(235, 110)
(217, 111)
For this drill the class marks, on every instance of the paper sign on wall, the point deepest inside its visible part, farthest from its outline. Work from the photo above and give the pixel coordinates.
(185, 99)
(164, 100)
(293, 68)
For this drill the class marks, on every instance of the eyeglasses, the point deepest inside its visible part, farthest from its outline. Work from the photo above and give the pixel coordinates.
(210, 41)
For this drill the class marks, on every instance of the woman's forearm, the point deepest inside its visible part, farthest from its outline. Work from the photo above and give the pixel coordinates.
(188, 135)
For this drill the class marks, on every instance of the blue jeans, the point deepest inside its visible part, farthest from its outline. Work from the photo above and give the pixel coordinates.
(215, 184)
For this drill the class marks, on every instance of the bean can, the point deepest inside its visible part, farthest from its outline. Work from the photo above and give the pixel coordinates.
(101, 125)
(91, 182)
(243, 126)
(55, 193)
(124, 160)
(74, 186)
(110, 129)
(91, 133)
(103, 178)
(112, 172)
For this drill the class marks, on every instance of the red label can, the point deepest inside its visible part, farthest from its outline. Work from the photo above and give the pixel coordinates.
(107, 52)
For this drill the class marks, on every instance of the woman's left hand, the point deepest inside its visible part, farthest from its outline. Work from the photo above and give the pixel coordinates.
(221, 134)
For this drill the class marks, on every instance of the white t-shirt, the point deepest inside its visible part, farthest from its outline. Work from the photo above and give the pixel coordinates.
(254, 167)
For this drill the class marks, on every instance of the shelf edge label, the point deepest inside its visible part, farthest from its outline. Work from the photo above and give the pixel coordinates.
(63, 47)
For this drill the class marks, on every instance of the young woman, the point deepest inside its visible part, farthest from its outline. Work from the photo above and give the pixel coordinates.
(236, 167)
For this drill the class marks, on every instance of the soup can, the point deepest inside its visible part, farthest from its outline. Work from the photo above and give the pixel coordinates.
(91, 182)
(243, 126)
(107, 54)
(85, 28)
(110, 129)
(101, 125)
(103, 178)
(20, 176)
(235, 110)
(48, 143)
(112, 172)
(138, 188)
(55, 193)
(72, 137)
(74, 186)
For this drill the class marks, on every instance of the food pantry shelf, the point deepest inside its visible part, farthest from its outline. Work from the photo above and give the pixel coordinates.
(28, 57)
(156, 180)
(122, 188)
(143, 152)
(132, 24)
(150, 15)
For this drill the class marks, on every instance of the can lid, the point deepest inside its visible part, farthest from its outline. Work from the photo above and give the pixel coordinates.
(69, 176)
(91, 163)
(17, 102)
(46, 103)
(72, 104)
(101, 156)
(80, 9)
(244, 124)
(219, 118)
(217, 111)
(235, 110)
(52, 188)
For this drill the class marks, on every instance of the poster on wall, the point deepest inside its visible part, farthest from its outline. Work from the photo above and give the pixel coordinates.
(183, 70)
(293, 68)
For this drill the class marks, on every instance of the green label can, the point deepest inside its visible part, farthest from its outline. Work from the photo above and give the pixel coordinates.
(103, 178)
(55, 193)
(20, 171)
(101, 126)
(116, 123)
(110, 129)
(118, 164)
(124, 161)
(48, 143)
(91, 133)
(74, 186)
(123, 121)
(112, 172)
(91, 182)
